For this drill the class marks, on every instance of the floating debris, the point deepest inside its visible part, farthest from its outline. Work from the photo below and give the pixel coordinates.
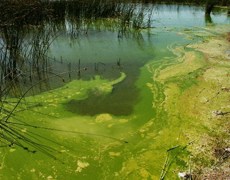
(103, 118)
(225, 89)
(50, 177)
(81, 165)
(12, 150)
(114, 154)
(227, 149)
(219, 113)
(184, 175)
(32, 170)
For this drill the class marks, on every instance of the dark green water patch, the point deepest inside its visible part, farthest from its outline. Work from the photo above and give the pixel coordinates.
(120, 102)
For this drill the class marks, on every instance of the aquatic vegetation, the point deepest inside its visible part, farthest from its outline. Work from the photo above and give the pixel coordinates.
(27, 35)
(142, 108)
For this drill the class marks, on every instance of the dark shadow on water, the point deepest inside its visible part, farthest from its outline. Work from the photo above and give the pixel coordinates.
(120, 102)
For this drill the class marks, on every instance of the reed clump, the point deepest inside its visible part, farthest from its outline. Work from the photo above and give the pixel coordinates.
(27, 28)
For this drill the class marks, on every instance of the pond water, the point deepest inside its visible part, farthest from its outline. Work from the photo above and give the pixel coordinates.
(109, 122)
(105, 49)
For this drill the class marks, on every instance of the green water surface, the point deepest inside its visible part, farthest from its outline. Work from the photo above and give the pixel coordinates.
(110, 122)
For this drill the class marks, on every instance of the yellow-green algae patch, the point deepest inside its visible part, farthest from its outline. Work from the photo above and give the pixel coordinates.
(77, 89)
(201, 110)
(74, 140)
(191, 102)
(175, 128)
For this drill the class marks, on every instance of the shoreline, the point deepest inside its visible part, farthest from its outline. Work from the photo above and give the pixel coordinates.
(197, 90)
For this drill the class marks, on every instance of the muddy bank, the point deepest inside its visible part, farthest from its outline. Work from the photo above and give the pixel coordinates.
(197, 90)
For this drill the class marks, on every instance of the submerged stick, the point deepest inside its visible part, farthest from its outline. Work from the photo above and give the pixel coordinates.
(168, 161)
(75, 132)
(79, 68)
(163, 172)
